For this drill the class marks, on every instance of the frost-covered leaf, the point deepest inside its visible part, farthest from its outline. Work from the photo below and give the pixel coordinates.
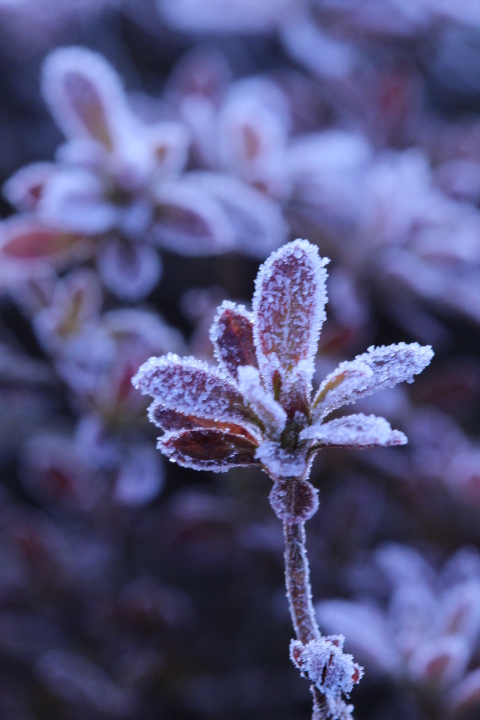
(189, 221)
(361, 431)
(377, 369)
(440, 661)
(84, 94)
(270, 412)
(208, 449)
(232, 337)
(26, 239)
(140, 477)
(24, 188)
(168, 142)
(76, 300)
(74, 199)
(170, 420)
(281, 463)
(56, 474)
(289, 309)
(224, 15)
(465, 694)
(461, 610)
(325, 664)
(257, 221)
(130, 326)
(192, 387)
(130, 271)
(252, 134)
(367, 631)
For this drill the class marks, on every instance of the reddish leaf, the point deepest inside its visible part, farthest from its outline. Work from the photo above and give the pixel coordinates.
(24, 189)
(288, 304)
(84, 93)
(190, 221)
(170, 420)
(192, 387)
(26, 239)
(232, 337)
(208, 449)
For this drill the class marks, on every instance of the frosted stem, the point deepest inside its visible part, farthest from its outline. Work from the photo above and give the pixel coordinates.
(299, 594)
(297, 580)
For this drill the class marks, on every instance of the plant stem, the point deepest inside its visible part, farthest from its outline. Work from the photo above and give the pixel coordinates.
(297, 580)
(299, 594)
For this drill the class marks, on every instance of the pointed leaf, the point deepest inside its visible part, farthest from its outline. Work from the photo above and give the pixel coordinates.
(289, 309)
(169, 145)
(270, 412)
(170, 420)
(26, 239)
(280, 463)
(84, 94)
(232, 337)
(355, 431)
(379, 368)
(440, 661)
(24, 189)
(465, 694)
(208, 449)
(257, 221)
(140, 478)
(192, 387)
(367, 631)
(77, 299)
(129, 270)
(75, 199)
(190, 221)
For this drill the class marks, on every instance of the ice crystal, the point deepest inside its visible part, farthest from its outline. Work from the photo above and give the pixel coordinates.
(331, 670)
(256, 407)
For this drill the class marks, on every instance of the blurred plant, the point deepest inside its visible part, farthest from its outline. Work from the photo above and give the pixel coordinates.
(256, 408)
(118, 189)
(428, 638)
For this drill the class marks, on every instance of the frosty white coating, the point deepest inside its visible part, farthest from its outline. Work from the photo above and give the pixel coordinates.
(357, 430)
(331, 670)
(95, 105)
(377, 369)
(289, 309)
(239, 414)
(191, 386)
(271, 405)
(266, 408)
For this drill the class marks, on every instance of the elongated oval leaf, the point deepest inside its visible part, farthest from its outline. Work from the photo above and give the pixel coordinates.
(289, 309)
(208, 449)
(377, 369)
(84, 93)
(192, 387)
(232, 337)
(355, 431)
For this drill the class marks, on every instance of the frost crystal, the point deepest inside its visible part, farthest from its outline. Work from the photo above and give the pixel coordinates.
(256, 407)
(331, 670)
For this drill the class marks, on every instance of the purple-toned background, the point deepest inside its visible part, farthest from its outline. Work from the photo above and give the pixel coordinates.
(152, 155)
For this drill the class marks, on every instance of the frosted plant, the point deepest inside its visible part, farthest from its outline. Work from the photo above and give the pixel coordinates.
(256, 408)
(116, 190)
(428, 638)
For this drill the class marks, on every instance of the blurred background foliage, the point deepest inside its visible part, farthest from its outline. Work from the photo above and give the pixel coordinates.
(129, 589)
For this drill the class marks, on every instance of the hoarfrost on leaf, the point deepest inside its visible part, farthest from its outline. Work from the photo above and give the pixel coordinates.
(356, 431)
(208, 449)
(192, 387)
(289, 309)
(377, 369)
